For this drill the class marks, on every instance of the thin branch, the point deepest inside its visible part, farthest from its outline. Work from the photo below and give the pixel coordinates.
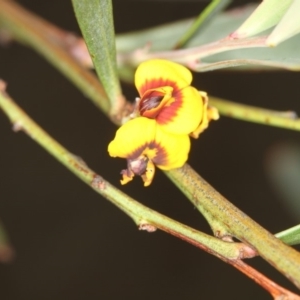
(275, 290)
(287, 119)
(140, 214)
(144, 217)
(191, 56)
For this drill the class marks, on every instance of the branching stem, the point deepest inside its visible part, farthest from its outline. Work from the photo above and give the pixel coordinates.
(287, 119)
(144, 217)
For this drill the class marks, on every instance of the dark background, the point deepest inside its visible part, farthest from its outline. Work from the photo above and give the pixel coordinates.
(72, 244)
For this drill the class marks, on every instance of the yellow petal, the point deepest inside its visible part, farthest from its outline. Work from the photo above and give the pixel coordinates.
(184, 114)
(127, 175)
(209, 113)
(149, 174)
(157, 73)
(173, 149)
(131, 137)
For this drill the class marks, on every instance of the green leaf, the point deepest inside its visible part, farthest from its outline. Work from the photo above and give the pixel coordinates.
(267, 15)
(290, 236)
(287, 27)
(95, 20)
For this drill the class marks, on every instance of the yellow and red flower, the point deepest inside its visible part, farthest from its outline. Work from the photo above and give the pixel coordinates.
(169, 110)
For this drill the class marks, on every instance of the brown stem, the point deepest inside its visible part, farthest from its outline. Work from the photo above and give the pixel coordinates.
(274, 289)
(277, 291)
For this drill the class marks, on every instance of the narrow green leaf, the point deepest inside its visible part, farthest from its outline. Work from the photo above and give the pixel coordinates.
(287, 27)
(290, 236)
(95, 20)
(267, 15)
(208, 13)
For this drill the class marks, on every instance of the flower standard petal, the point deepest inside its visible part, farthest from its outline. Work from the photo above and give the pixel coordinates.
(156, 73)
(166, 95)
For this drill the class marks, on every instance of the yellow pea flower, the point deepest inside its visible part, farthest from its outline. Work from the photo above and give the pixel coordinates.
(145, 144)
(169, 110)
(166, 96)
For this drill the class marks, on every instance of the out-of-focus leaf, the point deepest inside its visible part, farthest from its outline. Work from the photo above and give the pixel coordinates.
(7, 252)
(288, 26)
(164, 37)
(283, 170)
(243, 64)
(290, 236)
(96, 23)
(266, 15)
(285, 55)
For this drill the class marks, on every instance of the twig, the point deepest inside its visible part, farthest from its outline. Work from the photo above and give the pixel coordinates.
(191, 56)
(275, 290)
(287, 119)
(140, 214)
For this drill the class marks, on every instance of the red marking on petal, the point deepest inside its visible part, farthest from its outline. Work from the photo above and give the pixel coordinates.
(137, 152)
(161, 157)
(156, 83)
(168, 113)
